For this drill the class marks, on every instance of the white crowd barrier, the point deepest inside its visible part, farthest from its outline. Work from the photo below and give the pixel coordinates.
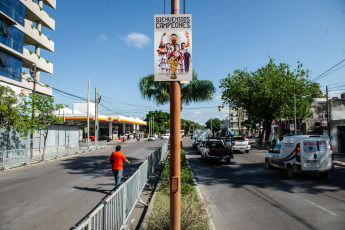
(114, 211)
(17, 157)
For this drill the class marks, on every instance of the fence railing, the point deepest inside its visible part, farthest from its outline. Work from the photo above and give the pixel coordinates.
(17, 157)
(114, 211)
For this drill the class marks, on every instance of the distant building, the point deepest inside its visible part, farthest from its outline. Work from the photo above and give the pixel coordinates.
(21, 43)
(109, 125)
(337, 123)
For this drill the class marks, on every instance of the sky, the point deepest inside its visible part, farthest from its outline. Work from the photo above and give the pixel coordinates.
(110, 42)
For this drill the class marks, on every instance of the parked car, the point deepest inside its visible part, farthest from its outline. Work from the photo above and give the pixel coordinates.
(302, 154)
(152, 138)
(240, 143)
(104, 137)
(92, 138)
(213, 149)
(165, 136)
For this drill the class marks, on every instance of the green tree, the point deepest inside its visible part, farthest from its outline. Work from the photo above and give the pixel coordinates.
(161, 120)
(215, 124)
(189, 126)
(43, 108)
(196, 91)
(13, 113)
(268, 93)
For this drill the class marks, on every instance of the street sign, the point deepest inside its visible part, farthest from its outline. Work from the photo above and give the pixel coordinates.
(173, 47)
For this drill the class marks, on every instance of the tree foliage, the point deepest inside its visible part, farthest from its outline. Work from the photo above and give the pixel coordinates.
(268, 93)
(189, 126)
(215, 124)
(158, 91)
(43, 107)
(161, 120)
(13, 112)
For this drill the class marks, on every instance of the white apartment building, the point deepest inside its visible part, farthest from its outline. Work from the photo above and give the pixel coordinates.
(22, 42)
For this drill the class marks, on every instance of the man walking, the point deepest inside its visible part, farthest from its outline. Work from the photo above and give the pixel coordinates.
(116, 159)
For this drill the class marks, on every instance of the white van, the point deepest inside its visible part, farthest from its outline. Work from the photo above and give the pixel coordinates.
(302, 154)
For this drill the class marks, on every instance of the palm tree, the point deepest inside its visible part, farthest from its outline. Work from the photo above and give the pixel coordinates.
(158, 91)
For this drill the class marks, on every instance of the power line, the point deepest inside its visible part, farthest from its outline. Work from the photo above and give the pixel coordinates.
(323, 74)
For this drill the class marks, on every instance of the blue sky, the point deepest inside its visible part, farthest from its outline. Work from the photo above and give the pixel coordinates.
(111, 42)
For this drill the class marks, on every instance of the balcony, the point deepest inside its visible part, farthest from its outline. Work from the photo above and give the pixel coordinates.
(36, 38)
(50, 3)
(36, 14)
(27, 85)
(30, 58)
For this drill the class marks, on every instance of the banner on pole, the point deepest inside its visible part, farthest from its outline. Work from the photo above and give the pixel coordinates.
(173, 47)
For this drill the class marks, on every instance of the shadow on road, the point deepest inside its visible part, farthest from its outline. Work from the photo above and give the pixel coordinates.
(98, 189)
(240, 175)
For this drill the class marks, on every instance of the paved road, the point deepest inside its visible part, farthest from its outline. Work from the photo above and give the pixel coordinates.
(59, 193)
(246, 195)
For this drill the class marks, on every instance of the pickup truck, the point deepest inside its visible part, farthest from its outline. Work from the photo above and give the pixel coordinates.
(212, 149)
(238, 143)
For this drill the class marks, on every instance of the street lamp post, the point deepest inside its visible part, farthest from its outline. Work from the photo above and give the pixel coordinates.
(33, 76)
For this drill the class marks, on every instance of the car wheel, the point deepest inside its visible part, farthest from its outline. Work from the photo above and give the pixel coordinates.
(227, 161)
(268, 165)
(290, 173)
(247, 151)
(323, 175)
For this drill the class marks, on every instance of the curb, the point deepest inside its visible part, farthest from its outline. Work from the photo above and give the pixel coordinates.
(152, 200)
(210, 223)
(339, 163)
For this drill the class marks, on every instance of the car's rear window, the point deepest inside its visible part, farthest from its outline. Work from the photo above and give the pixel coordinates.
(238, 138)
(214, 143)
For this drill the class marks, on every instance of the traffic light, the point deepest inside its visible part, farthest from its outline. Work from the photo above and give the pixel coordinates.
(222, 106)
(219, 107)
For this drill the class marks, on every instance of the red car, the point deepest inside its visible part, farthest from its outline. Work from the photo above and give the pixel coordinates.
(92, 138)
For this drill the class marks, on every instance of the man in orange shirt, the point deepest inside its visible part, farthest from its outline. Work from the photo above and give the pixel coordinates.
(116, 159)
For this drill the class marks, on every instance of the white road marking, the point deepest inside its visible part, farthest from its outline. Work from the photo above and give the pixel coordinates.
(321, 207)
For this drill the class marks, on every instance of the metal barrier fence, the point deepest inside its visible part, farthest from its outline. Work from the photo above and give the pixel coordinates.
(17, 157)
(116, 209)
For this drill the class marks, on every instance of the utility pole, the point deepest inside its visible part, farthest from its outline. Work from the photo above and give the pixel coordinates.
(239, 123)
(211, 124)
(175, 146)
(33, 75)
(97, 121)
(95, 117)
(88, 113)
(328, 114)
(294, 105)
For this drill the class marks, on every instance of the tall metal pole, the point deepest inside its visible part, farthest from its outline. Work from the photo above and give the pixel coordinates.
(294, 105)
(95, 117)
(328, 115)
(33, 75)
(97, 121)
(175, 146)
(88, 112)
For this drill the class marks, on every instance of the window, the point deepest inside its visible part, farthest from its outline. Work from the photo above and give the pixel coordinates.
(4, 28)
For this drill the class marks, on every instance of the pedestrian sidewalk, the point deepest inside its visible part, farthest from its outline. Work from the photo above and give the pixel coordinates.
(339, 159)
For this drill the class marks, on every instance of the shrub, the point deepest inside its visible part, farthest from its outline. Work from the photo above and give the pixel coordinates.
(193, 211)
(193, 214)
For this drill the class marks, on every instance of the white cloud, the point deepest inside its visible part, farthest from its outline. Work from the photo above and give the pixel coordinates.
(196, 113)
(219, 97)
(103, 37)
(137, 39)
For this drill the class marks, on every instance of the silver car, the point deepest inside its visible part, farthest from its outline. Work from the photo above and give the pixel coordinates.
(152, 138)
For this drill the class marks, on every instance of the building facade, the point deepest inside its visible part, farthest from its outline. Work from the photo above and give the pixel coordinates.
(21, 43)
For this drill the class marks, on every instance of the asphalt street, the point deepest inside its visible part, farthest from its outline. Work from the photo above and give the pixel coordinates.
(60, 193)
(246, 195)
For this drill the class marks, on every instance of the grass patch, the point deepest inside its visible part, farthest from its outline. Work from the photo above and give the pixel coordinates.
(193, 211)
